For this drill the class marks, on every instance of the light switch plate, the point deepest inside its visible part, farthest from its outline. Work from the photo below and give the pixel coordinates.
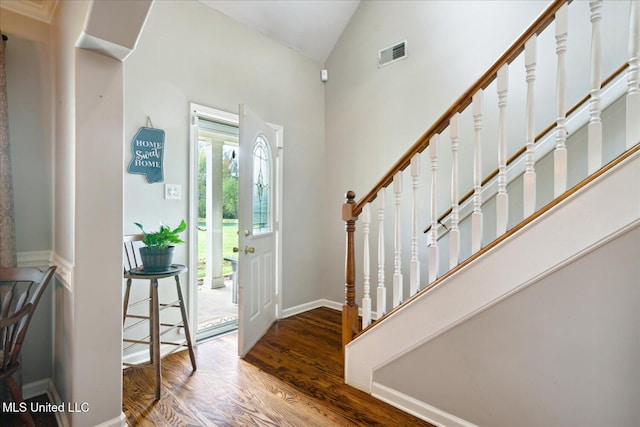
(172, 191)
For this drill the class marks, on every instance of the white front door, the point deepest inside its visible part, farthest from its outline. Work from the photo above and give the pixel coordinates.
(257, 229)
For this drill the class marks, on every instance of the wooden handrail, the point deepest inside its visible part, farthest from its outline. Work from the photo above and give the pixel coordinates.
(541, 135)
(545, 18)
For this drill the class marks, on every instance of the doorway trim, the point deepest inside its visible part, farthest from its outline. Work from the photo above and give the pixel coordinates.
(196, 110)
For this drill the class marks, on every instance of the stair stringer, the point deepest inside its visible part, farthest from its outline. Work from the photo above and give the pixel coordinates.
(596, 213)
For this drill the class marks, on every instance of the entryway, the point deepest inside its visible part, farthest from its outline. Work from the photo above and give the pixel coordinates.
(216, 291)
(216, 207)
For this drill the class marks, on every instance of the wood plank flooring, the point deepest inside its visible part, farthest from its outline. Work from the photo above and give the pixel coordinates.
(292, 377)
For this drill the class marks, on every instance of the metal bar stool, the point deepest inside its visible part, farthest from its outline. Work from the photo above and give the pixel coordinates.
(133, 271)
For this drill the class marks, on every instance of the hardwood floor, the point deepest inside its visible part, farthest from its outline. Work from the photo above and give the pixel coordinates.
(292, 377)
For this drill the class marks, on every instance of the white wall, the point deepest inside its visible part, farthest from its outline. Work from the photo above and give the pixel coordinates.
(562, 352)
(191, 53)
(373, 115)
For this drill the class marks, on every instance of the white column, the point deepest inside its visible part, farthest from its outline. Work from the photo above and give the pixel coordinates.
(397, 260)
(454, 234)
(560, 153)
(381, 295)
(366, 299)
(414, 279)
(530, 54)
(476, 216)
(595, 124)
(502, 199)
(433, 245)
(633, 77)
(213, 259)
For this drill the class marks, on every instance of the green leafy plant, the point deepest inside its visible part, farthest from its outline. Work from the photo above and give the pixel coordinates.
(164, 237)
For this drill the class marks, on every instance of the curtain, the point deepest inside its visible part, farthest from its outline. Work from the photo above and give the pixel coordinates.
(7, 224)
(7, 220)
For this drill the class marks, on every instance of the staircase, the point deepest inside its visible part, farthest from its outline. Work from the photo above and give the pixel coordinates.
(569, 194)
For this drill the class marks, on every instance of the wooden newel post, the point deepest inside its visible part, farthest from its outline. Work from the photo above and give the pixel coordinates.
(350, 322)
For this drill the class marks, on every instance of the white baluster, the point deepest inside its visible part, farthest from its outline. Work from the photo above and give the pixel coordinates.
(382, 290)
(414, 279)
(366, 299)
(560, 153)
(595, 124)
(502, 199)
(476, 216)
(433, 246)
(530, 54)
(633, 77)
(397, 260)
(454, 234)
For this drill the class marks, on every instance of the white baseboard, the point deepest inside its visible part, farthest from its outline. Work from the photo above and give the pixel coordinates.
(62, 418)
(417, 408)
(331, 304)
(36, 388)
(139, 357)
(136, 358)
(46, 386)
(142, 356)
(120, 421)
(288, 312)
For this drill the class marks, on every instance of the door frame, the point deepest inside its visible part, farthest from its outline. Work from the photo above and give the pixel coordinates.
(196, 110)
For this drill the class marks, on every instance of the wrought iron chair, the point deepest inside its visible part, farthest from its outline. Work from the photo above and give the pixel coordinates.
(20, 292)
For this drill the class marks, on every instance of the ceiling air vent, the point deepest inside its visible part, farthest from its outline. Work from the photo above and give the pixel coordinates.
(392, 54)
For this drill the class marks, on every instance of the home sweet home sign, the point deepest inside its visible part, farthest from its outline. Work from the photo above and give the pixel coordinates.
(147, 149)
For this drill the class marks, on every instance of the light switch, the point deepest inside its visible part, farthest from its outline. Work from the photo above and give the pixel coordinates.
(172, 191)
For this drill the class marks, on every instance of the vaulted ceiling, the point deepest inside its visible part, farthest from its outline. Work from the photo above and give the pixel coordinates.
(311, 27)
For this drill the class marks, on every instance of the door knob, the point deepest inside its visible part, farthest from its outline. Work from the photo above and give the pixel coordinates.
(247, 250)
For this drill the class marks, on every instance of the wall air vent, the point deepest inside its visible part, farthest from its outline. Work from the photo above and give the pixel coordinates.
(392, 53)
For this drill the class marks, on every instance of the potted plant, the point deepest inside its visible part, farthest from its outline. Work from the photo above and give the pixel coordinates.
(157, 255)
